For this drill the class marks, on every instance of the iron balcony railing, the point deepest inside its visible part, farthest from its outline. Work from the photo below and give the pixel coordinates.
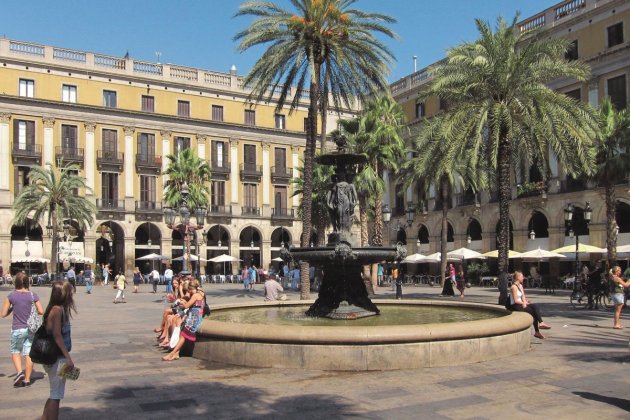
(27, 150)
(216, 210)
(250, 211)
(110, 204)
(149, 206)
(282, 213)
(69, 153)
(144, 159)
(106, 156)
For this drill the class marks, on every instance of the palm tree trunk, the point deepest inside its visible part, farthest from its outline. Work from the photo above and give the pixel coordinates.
(611, 224)
(378, 212)
(505, 196)
(324, 109)
(444, 238)
(307, 198)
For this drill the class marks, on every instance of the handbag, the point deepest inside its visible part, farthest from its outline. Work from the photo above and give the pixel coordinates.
(175, 336)
(34, 319)
(44, 349)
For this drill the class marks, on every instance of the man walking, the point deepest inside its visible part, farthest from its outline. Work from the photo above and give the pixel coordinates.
(155, 279)
(72, 278)
(168, 278)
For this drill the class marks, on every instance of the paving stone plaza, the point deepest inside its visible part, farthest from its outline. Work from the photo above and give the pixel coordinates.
(582, 370)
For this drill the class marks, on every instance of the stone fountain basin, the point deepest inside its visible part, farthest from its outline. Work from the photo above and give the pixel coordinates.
(364, 348)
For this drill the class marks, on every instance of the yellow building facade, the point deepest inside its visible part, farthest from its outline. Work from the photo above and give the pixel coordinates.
(600, 36)
(118, 119)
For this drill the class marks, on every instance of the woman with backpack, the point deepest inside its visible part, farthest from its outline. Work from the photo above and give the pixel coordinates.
(19, 302)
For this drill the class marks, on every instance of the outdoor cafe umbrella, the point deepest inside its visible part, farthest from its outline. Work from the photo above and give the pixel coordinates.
(582, 249)
(153, 256)
(193, 257)
(419, 259)
(465, 254)
(77, 259)
(540, 254)
(225, 258)
(277, 259)
(29, 261)
(495, 254)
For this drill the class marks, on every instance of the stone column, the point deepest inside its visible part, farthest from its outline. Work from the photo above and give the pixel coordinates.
(296, 164)
(266, 180)
(235, 251)
(48, 149)
(129, 170)
(5, 150)
(130, 261)
(90, 155)
(265, 254)
(166, 150)
(201, 146)
(234, 177)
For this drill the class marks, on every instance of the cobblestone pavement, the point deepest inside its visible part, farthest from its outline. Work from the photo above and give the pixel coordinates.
(581, 371)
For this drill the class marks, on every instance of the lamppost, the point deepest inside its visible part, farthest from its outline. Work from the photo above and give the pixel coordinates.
(184, 227)
(387, 216)
(569, 221)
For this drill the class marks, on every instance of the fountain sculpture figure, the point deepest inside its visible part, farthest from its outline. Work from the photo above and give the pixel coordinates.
(342, 294)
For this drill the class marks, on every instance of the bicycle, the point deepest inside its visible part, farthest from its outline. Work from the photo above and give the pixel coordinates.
(601, 297)
(579, 297)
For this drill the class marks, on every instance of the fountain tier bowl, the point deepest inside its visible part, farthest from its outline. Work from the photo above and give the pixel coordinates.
(339, 347)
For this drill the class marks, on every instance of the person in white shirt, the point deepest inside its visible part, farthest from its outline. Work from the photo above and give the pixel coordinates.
(155, 279)
(272, 288)
(168, 278)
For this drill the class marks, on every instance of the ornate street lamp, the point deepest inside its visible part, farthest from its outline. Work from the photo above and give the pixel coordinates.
(569, 220)
(411, 213)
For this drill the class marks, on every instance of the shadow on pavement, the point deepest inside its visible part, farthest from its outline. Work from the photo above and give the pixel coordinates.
(617, 402)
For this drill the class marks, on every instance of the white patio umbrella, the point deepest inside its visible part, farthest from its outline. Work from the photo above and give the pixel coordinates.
(495, 254)
(435, 257)
(224, 258)
(582, 249)
(418, 259)
(465, 254)
(277, 259)
(31, 260)
(153, 256)
(623, 249)
(193, 257)
(540, 254)
(76, 259)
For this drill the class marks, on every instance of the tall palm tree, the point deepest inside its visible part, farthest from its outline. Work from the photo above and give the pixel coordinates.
(52, 194)
(381, 127)
(613, 164)
(433, 166)
(500, 109)
(324, 45)
(187, 167)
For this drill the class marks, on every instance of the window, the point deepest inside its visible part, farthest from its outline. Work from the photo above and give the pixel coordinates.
(250, 117)
(69, 140)
(251, 200)
(109, 189)
(616, 89)
(110, 143)
(280, 122)
(219, 155)
(217, 193)
(146, 147)
(280, 200)
(69, 94)
(148, 103)
(575, 94)
(280, 160)
(615, 34)
(109, 98)
(183, 108)
(27, 88)
(572, 51)
(147, 188)
(217, 113)
(181, 144)
(419, 109)
(23, 135)
(21, 178)
(249, 157)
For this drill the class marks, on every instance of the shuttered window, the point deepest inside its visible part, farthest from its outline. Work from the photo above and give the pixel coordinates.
(109, 188)
(219, 154)
(183, 108)
(148, 103)
(109, 99)
(146, 147)
(23, 134)
(617, 91)
(181, 143)
(217, 193)
(147, 188)
(110, 140)
(249, 157)
(217, 113)
(250, 199)
(69, 138)
(250, 117)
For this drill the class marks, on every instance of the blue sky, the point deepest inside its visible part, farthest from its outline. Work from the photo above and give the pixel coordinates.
(198, 33)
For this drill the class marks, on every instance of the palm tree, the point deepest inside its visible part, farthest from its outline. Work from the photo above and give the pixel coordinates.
(445, 171)
(380, 139)
(323, 45)
(52, 192)
(500, 109)
(187, 167)
(613, 164)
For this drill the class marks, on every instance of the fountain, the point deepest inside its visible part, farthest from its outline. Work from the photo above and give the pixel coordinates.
(343, 328)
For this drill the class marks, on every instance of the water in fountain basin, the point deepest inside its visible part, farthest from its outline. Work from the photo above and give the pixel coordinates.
(392, 315)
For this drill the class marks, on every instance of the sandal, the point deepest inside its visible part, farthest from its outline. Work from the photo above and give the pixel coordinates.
(170, 357)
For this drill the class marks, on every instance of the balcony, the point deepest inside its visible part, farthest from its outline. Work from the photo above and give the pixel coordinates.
(220, 170)
(282, 213)
(27, 154)
(69, 155)
(148, 164)
(281, 175)
(110, 209)
(250, 172)
(216, 210)
(250, 211)
(110, 161)
(148, 210)
(466, 199)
